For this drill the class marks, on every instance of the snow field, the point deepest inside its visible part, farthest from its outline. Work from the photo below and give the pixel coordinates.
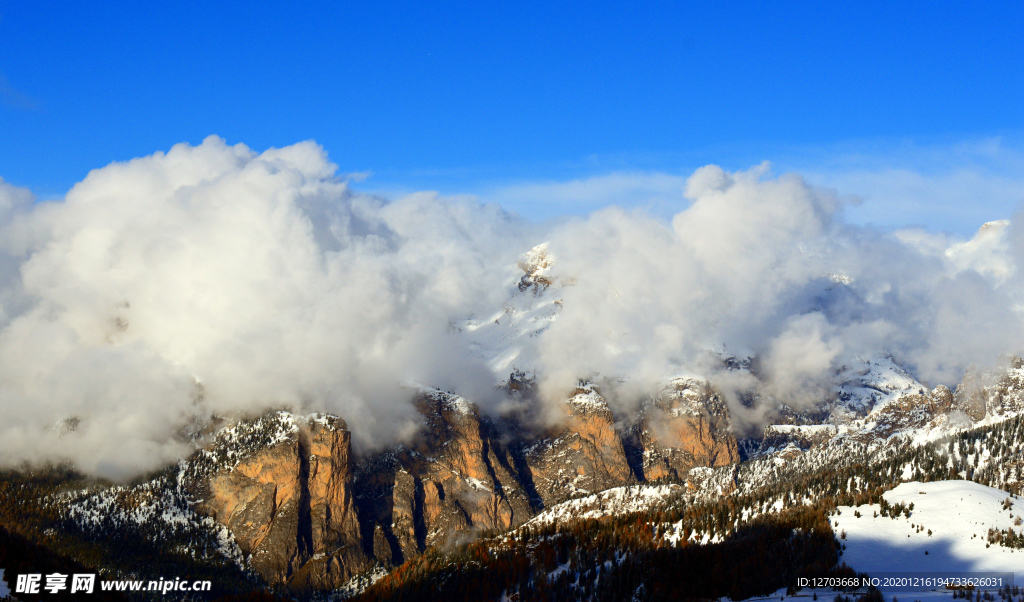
(958, 514)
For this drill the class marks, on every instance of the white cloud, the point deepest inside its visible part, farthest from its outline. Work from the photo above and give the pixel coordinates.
(767, 266)
(260, 276)
(216, 279)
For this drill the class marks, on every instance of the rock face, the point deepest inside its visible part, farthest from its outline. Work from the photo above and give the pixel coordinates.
(685, 427)
(287, 498)
(883, 401)
(995, 392)
(585, 457)
(303, 514)
(789, 440)
(456, 478)
(913, 411)
(464, 474)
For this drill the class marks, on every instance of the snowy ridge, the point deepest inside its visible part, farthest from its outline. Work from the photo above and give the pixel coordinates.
(804, 428)
(610, 502)
(450, 401)
(685, 395)
(988, 454)
(868, 384)
(879, 400)
(156, 506)
(233, 444)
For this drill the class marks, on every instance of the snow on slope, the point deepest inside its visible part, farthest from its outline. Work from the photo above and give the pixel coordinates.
(959, 514)
(867, 393)
(587, 399)
(868, 384)
(610, 502)
(505, 339)
(451, 401)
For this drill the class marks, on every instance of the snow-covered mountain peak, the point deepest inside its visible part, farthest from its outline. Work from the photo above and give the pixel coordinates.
(536, 265)
(506, 339)
(689, 395)
(586, 399)
(447, 401)
(868, 383)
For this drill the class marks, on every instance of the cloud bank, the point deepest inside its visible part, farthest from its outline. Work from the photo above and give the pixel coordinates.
(217, 280)
(765, 267)
(214, 279)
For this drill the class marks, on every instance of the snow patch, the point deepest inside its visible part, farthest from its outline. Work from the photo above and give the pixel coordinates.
(587, 399)
(958, 515)
(610, 502)
(358, 584)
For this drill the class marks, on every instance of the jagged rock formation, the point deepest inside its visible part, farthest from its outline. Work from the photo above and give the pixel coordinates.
(456, 478)
(789, 440)
(684, 427)
(281, 495)
(989, 395)
(464, 474)
(880, 400)
(585, 456)
(536, 265)
(300, 511)
(288, 502)
(926, 411)
(996, 392)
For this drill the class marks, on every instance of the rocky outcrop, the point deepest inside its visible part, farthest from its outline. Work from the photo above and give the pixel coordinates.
(684, 427)
(304, 515)
(456, 478)
(536, 265)
(996, 392)
(287, 499)
(789, 439)
(914, 411)
(585, 456)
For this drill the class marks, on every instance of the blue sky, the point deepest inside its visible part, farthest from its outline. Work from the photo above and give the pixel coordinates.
(547, 108)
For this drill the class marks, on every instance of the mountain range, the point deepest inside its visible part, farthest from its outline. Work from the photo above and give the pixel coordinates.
(554, 496)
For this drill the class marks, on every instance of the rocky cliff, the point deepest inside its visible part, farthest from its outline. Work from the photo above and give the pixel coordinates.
(288, 499)
(454, 479)
(684, 427)
(285, 498)
(582, 456)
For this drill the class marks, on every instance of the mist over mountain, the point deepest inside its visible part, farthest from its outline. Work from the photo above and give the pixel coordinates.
(217, 280)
